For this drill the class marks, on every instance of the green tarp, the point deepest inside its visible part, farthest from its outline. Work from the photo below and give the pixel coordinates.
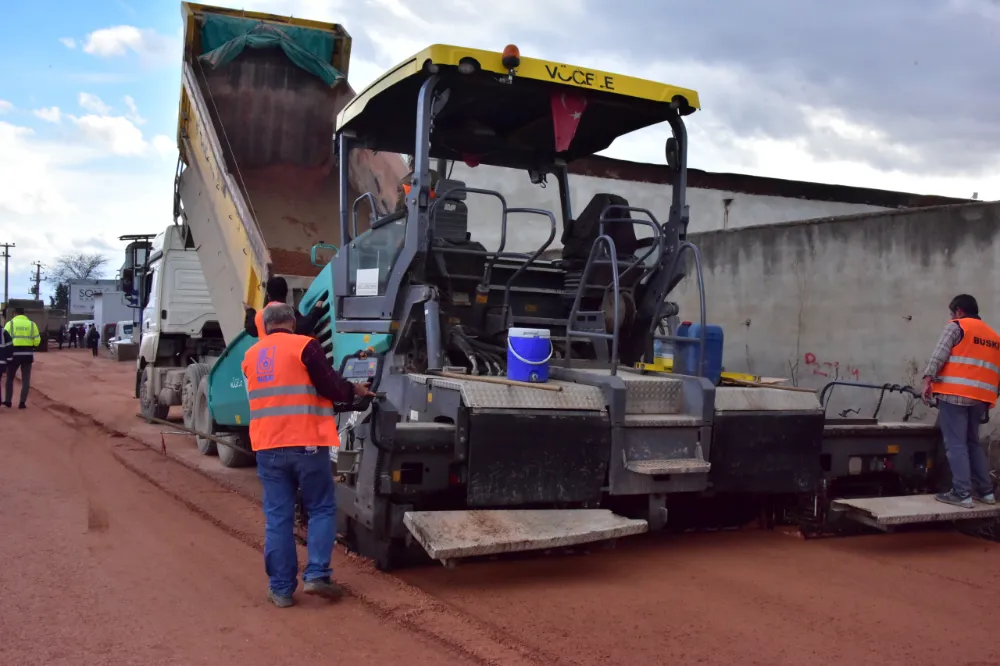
(224, 37)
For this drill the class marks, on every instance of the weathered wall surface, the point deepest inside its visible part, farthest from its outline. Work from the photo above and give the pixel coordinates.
(711, 209)
(861, 298)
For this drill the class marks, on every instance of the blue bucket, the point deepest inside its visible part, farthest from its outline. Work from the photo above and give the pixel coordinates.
(528, 353)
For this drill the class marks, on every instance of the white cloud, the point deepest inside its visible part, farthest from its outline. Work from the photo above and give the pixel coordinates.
(119, 40)
(165, 146)
(56, 199)
(68, 42)
(133, 111)
(26, 191)
(93, 103)
(50, 114)
(5, 106)
(115, 134)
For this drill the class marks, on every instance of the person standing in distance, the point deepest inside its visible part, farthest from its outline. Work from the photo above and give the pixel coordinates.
(964, 375)
(6, 348)
(24, 338)
(292, 390)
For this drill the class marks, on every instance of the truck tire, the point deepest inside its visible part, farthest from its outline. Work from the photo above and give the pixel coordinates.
(201, 416)
(238, 455)
(189, 390)
(148, 403)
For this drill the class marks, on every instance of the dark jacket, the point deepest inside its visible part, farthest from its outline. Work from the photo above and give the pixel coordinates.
(304, 324)
(93, 337)
(6, 349)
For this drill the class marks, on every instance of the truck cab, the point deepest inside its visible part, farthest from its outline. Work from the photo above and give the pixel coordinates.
(179, 326)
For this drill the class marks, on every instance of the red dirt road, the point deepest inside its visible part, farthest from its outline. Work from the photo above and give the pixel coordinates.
(100, 567)
(729, 598)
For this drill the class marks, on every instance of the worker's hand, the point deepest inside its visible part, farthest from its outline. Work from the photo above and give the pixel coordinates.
(927, 394)
(319, 304)
(362, 390)
(247, 306)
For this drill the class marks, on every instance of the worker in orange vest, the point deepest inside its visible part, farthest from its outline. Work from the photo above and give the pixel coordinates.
(406, 184)
(964, 375)
(276, 291)
(292, 390)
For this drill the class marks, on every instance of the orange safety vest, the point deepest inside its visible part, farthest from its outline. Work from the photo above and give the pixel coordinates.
(258, 319)
(285, 409)
(973, 369)
(407, 188)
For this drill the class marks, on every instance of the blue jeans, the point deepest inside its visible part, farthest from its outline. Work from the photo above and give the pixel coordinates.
(970, 470)
(282, 471)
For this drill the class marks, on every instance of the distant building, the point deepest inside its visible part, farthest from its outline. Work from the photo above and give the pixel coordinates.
(81, 296)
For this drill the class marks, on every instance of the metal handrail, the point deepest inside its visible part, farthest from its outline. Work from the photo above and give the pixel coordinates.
(652, 223)
(354, 212)
(687, 245)
(503, 218)
(533, 257)
(575, 310)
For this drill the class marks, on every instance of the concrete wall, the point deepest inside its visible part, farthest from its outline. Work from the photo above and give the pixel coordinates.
(709, 210)
(861, 297)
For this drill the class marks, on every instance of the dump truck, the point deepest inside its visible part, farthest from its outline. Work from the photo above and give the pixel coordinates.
(179, 332)
(255, 192)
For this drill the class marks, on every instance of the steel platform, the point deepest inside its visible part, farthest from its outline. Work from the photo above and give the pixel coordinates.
(450, 535)
(887, 512)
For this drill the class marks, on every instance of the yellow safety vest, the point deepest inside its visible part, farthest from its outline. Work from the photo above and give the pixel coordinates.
(23, 333)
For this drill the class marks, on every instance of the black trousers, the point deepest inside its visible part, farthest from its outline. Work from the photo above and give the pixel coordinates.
(24, 363)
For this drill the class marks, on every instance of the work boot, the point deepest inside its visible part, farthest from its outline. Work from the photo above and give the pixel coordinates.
(988, 498)
(21, 405)
(323, 587)
(8, 405)
(951, 498)
(280, 600)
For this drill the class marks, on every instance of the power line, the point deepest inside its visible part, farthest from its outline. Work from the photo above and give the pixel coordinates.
(36, 290)
(6, 256)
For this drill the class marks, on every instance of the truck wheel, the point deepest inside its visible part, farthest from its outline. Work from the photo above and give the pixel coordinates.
(189, 390)
(239, 455)
(202, 417)
(149, 403)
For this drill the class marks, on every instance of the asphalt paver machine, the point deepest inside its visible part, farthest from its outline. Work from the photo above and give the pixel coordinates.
(452, 459)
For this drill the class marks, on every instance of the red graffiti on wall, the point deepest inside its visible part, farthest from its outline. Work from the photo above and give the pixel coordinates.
(830, 369)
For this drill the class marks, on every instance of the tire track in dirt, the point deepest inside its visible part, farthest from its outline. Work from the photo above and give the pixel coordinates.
(385, 596)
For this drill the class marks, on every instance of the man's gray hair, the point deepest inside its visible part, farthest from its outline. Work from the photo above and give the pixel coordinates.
(278, 315)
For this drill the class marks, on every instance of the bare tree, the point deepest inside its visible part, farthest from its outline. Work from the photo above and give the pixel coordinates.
(76, 266)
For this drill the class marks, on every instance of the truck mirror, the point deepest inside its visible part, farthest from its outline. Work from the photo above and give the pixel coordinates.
(124, 282)
(673, 154)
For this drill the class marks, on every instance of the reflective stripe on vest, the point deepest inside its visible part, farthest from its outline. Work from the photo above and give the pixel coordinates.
(973, 369)
(258, 319)
(285, 407)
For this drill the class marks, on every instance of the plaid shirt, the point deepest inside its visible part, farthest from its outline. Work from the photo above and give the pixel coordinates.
(950, 336)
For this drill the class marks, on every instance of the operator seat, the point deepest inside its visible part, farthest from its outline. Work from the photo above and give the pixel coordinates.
(451, 214)
(451, 230)
(579, 234)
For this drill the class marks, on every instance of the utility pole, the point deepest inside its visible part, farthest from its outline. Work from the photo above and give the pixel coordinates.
(6, 256)
(37, 291)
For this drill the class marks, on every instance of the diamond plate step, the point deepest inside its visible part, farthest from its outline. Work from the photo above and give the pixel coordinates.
(652, 394)
(668, 466)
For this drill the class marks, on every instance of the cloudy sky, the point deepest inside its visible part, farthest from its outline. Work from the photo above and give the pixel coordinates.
(894, 94)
